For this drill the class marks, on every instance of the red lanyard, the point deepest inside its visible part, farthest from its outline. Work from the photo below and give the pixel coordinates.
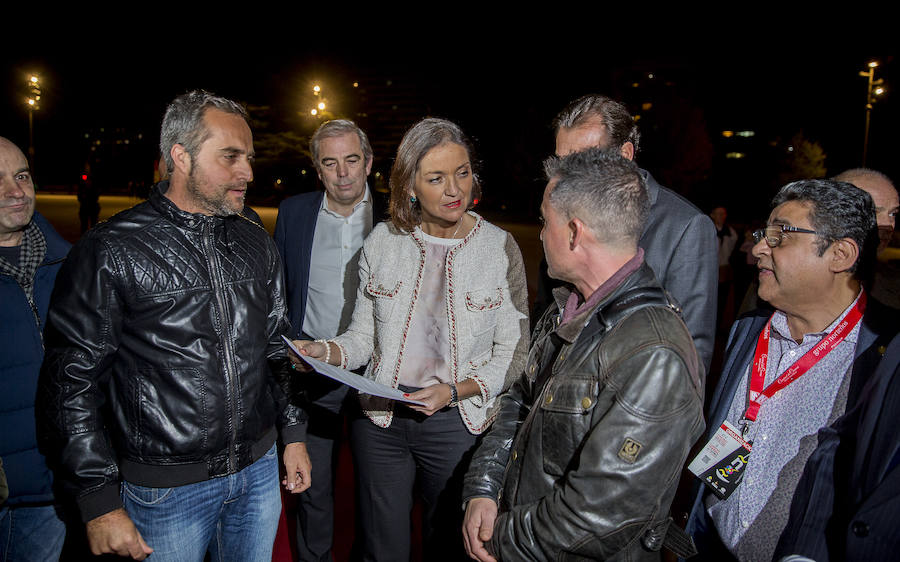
(758, 375)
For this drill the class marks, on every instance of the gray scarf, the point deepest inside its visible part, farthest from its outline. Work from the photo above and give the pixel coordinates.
(31, 254)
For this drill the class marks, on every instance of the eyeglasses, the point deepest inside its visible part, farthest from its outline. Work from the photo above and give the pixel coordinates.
(774, 234)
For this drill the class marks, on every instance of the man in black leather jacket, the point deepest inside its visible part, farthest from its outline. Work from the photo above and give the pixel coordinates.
(583, 458)
(164, 375)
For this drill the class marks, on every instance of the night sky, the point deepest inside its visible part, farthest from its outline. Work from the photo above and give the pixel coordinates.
(504, 98)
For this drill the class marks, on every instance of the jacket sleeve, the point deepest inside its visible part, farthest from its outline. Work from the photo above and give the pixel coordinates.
(510, 345)
(609, 498)
(484, 479)
(81, 339)
(693, 279)
(293, 419)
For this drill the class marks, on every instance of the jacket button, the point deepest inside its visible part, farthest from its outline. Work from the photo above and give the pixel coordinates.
(562, 356)
(585, 402)
(515, 455)
(531, 369)
(549, 399)
(860, 529)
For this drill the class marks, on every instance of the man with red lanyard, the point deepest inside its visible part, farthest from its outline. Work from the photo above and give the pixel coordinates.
(788, 374)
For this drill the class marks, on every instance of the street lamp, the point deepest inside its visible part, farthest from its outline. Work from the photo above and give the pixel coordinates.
(319, 104)
(34, 102)
(871, 97)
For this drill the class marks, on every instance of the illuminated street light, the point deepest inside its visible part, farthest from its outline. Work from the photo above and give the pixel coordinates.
(871, 97)
(321, 105)
(314, 111)
(33, 101)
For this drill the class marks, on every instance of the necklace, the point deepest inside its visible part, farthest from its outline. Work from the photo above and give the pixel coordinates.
(459, 224)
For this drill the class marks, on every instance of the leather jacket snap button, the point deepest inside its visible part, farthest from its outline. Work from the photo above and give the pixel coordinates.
(585, 402)
(531, 369)
(515, 455)
(860, 529)
(549, 399)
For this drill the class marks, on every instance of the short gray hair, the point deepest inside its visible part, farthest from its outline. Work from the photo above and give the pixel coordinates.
(620, 125)
(337, 128)
(183, 122)
(604, 190)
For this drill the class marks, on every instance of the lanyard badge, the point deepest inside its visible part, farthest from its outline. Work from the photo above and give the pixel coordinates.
(720, 465)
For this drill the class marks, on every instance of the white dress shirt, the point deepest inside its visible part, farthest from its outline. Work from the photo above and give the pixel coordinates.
(333, 271)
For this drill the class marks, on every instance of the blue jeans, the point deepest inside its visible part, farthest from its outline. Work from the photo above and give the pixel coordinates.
(31, 533)
(234, 517)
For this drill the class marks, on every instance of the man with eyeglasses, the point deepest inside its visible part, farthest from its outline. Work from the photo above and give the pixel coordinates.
(788, 374)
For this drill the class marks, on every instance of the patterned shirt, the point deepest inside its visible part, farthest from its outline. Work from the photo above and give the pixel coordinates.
(751, 520)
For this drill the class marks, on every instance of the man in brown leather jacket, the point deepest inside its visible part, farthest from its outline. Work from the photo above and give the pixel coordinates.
(583, 458)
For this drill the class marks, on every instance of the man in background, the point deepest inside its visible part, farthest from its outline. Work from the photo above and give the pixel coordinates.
(319, 236)
(31, 253)
(679, 241)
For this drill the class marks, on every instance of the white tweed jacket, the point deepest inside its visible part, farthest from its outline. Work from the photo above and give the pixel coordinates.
(486, 298)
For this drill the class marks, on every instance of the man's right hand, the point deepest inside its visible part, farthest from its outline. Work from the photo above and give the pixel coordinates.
(115, 533)
(478, 527)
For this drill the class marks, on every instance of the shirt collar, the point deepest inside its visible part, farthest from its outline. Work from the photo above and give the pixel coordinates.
(781, 328)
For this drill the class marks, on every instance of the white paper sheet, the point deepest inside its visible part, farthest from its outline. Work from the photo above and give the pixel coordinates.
(352, 380)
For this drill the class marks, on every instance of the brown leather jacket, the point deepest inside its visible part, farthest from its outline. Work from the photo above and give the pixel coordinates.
(586, 452)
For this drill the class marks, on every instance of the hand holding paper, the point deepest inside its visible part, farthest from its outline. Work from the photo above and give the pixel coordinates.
(353, 380)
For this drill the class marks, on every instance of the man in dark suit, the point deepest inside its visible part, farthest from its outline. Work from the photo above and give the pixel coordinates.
(679, 241)
(848, 501)
(788, 374)
(319, 236)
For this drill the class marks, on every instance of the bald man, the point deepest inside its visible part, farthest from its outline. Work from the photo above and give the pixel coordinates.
(31, 253)
(886, 284)
(883, 193)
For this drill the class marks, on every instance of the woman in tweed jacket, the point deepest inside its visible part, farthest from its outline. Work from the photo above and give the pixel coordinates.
(441, 314)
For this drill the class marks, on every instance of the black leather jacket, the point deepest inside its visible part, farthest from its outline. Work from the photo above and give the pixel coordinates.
(164, 364)
(585, 455)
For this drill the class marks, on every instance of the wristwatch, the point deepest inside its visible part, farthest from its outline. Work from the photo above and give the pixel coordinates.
(454, 396)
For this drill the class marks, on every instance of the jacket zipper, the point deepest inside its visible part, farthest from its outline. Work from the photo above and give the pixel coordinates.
(218, 283)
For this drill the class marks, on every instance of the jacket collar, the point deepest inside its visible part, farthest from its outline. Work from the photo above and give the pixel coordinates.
(639, 288)
(57, 246)
(168, 209)
(417, 233)
(651, 185)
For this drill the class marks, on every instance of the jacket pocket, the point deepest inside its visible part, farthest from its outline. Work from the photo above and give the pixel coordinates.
(566, 409)
(170, 418)
(481, 308)
(144, 495)
(384, 293)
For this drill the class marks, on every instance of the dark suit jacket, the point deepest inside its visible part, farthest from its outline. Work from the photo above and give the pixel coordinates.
(848, 501)
(876, 330)
(295, 228)
(681, 247)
